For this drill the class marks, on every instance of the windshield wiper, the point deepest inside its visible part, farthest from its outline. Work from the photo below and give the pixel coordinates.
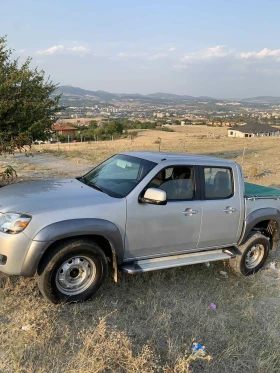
(95, 186)
(89, 183)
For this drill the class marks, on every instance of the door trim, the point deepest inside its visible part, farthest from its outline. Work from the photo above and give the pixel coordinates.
(177, 252)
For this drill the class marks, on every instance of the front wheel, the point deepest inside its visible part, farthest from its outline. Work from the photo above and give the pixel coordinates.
(252, 255)
(72, 271)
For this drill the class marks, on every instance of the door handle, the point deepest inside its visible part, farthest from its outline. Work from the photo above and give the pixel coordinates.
(229, 210)
(189, 212)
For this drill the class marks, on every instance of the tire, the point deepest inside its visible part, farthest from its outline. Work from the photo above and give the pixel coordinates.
(72, 271)
(252, 255)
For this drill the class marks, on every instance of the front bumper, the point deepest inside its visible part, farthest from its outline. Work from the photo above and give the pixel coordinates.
(19, 255)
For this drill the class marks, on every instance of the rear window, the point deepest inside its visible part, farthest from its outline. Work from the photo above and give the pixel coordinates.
(218, 182)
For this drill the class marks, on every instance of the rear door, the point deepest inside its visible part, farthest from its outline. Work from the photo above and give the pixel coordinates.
(222, 206)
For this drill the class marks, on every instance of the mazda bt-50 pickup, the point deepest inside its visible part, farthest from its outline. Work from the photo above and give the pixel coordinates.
(135, 212)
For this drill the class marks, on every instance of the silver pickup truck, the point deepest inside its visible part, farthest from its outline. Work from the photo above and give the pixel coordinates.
(135, 212)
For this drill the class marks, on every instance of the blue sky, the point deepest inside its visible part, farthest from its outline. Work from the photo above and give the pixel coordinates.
(217, 48)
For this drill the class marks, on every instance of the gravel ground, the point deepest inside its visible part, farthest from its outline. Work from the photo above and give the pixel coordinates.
(46, 165)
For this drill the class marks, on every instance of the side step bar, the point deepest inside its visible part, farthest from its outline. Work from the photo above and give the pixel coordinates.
(177, 260)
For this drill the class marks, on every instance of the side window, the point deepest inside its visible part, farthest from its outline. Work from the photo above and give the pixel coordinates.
(218, 183)
(176, 181)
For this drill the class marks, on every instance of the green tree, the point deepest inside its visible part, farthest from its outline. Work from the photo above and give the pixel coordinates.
(27, 106)
(92, 124)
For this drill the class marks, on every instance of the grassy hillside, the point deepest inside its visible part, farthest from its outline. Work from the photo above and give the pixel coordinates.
(145, 323)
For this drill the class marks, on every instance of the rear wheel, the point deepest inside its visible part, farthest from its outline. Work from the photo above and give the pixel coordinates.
(72, 271)
(252, 255)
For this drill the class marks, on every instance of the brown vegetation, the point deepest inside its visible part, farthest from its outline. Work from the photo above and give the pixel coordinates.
(145, 323)
(261, 153)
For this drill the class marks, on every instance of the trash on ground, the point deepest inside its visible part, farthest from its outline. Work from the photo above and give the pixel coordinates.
(212, 306)
(224, 273)
(272, 265)
(27, 327)
(197, 348)
(198, 352)
(207, 264)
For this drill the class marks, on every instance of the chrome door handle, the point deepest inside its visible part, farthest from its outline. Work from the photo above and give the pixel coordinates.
(229, 210)
(189, 212)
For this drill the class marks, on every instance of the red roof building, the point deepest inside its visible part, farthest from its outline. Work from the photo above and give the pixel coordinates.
(63, 130)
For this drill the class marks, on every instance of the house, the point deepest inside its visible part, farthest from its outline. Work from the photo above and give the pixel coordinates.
(185, 122)
(253, 130)
(61, 129)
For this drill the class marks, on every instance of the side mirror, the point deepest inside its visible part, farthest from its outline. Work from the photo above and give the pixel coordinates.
(154, 196)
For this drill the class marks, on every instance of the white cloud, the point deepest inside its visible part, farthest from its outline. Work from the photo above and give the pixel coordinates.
(264, 53)
(78, 49)
(172, 49)
(157, 56)
(50, 51)
(181, 66)
(62, 49)
(209, 53)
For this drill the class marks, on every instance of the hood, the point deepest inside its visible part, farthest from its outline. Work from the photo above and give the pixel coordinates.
(32, 196)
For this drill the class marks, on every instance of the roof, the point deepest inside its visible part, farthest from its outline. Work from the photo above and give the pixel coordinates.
(158, 157)
(60, 127)
(254, 128)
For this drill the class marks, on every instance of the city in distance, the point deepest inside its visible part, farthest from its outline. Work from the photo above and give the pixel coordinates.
(167, 108)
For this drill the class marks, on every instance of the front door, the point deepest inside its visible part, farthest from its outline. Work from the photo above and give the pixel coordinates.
(155, 230)
(221, 207)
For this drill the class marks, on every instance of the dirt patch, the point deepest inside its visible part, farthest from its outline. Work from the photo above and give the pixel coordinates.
(145, 323)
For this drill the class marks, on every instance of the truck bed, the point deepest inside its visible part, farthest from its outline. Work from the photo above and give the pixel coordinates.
(255, 190)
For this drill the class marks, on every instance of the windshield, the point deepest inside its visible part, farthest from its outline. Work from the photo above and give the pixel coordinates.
(118, 175)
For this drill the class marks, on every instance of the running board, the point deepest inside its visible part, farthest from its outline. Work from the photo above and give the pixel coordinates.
(177, 260)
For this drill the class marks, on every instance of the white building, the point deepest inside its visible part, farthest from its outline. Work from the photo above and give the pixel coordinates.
(253, 130)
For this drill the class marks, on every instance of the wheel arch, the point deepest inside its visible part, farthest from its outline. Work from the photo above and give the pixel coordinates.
(106, 234)
(265, 220)
(99, 240)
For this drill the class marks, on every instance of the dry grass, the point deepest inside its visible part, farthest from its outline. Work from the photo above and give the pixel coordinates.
(262, 153)
(145, 323)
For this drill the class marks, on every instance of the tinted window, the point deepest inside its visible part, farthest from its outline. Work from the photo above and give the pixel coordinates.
(177, 182)
(218, 182)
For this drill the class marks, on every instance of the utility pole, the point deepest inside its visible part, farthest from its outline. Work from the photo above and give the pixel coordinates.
(159, 143)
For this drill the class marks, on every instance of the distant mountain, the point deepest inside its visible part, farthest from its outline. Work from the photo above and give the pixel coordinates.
(69, 91)
(206, 98)
(158, 97)
(262, 99)
(170, 96)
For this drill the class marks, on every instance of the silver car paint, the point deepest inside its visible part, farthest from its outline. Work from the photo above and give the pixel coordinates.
(220, 227)
(48, 202)
(146, 230)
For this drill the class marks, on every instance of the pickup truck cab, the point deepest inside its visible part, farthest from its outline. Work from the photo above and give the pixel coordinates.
(135, 212)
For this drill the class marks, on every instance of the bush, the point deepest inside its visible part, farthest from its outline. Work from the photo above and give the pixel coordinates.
(167, 129)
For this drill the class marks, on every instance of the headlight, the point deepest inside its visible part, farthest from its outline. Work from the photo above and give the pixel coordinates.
(11, 222)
